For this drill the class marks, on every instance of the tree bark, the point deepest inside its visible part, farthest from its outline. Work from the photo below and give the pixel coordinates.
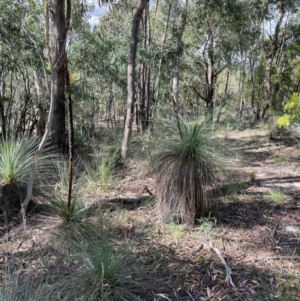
(210, 87)
(3, 75)
(176, 72)
(158, 76)
(273, 50)
(131, 78)
(58, 64)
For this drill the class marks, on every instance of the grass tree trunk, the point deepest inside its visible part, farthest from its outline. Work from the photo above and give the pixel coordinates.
(131, 78)
(58, 62)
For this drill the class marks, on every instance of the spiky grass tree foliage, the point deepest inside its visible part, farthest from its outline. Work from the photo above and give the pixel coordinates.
(15, 167)
(107, 274)
(187, 169)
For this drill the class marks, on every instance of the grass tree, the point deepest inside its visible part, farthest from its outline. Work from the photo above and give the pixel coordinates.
(188, 168)
(15, 167)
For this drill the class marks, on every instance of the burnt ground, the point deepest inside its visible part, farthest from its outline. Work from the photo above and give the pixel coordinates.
(256, 228)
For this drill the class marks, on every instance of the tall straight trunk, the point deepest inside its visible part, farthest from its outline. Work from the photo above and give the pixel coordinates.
(58, 64)
(223, 101)
(144, 71)
(241, 88)
(148, 97)
(176, 71)
(158, 76)
(209, 73)
(3, 75)
(42, 113)
(273, 50)
(131, 78)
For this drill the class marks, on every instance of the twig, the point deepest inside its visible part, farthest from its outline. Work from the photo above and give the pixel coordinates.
(275, 228)
(191, 296)
(147, 190)
(272, 258)
(100, 202)
(194, 252)
(175, 293)
(227, 268)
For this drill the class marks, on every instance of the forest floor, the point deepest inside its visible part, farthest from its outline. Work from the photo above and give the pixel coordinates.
(256, 229)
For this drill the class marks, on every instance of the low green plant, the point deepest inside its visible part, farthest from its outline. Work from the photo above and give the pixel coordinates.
(276, 196)
(288, 287)
(176, 230)
(251, 177)
(281, 159)
(60, 207)
(26, 287)
(207, 223)
(235, 187)
(106, 168)
(105, 274)
(103, 173)
(16, 158)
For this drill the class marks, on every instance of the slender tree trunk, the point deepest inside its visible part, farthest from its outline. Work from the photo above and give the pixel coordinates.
(273, 50)
(210, 87)
(225, 99)
(158, 76)
(58, 62)
(71, 137)
(2, 99)
(131, 78)
(42, 113)
(176, 72)
(241, 88)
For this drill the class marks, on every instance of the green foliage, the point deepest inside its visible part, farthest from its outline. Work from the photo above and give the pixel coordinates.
(234, 188)
(103, 173)
(288, 287)
(187, 169)
(25, 287)
(16, 159)
(60, 207)
(106, 168)
(292, 111)
(207, 223)
(176, 230)
(276, 196)
(105, 273)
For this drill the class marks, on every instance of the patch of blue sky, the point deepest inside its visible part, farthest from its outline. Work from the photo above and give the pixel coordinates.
(97, 11)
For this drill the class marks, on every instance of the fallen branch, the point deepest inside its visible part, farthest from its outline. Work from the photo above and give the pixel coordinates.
(292, 257)
(124, 201)
(227, 268)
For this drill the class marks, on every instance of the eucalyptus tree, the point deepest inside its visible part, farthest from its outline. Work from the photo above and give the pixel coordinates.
(279, 53)
(216, 38)
(21, 52)
(131, 78)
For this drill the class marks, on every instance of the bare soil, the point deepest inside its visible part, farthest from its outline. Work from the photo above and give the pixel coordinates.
(256, 228)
